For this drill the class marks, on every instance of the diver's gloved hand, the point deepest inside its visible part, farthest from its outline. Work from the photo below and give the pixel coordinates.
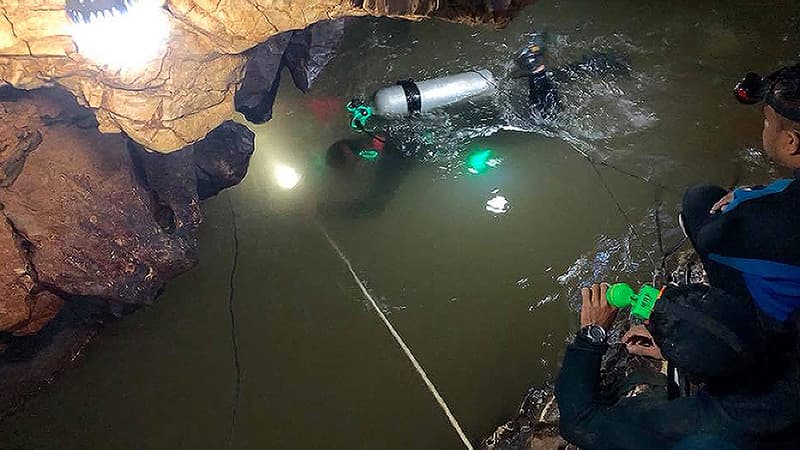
(530, 59)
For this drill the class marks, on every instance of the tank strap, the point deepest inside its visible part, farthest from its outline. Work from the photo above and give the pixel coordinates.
(413, 97)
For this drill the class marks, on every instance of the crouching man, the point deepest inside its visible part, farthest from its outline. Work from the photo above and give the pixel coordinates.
(749, 399)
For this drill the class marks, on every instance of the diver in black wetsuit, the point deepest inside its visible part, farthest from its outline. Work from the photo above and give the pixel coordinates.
(543, 93)
(392, 165)
(394, 158)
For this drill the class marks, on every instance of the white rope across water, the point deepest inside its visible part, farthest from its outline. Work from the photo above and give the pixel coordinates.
(400, 341)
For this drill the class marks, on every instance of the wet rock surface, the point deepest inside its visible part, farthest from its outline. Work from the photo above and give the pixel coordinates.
(16, 283)
(89, 222)
(92, 226)
(221, 160)
(262, 78)
(304, 53)
(535, 426)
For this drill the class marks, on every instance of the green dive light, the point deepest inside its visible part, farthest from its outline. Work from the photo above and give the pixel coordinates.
(368, 154)
(478, 161)
(361, 114)
(642, 303)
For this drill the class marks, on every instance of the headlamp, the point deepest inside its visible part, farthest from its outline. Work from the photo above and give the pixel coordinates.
(752, 89)
(755, 89)
(83, 11)
(118, 33)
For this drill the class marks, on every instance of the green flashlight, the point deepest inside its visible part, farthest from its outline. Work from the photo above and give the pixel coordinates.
(642, 303)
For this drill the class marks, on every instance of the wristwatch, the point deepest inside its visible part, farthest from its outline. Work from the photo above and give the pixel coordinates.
(594, 333)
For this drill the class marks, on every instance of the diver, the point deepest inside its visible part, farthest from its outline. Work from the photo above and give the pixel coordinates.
(543, 93)
(747, 238)
(389, 161)
(748, 399)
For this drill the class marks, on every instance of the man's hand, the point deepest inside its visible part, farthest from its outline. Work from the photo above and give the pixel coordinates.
(722, 203)
(639, 341)
(595, 309)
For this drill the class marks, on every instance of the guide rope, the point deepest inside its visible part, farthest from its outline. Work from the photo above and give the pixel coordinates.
(414, 362)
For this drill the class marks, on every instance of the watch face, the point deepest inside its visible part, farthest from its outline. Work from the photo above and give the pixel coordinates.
(595, 333)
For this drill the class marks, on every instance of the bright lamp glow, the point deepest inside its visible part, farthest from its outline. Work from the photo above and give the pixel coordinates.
(120, 39)
(286, 177)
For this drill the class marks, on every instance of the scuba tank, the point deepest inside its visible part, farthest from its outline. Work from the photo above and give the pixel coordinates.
(408, 97)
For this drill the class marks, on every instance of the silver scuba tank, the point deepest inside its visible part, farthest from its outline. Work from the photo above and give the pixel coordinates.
(408, 96)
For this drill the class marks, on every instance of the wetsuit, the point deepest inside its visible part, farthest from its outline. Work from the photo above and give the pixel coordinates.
(392, 165)
(751, 249)
(543, 95)
(736, 420)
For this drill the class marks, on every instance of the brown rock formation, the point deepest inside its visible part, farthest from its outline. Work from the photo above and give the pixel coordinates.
(90, 224)
(189, 90)
(98, 215)
(24, 307)
(15, 281)
(222, 158)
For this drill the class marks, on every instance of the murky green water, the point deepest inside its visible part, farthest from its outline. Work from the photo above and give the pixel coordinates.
(484, 300)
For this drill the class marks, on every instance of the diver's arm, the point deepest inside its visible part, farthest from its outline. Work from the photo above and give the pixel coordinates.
(637, 423)
(578, 390)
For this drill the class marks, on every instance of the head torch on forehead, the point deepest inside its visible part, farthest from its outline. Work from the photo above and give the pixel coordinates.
(754, 88)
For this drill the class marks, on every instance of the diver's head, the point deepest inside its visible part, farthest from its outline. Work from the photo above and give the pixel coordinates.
(780, 93)
(341, 154)
(707, 334)
(530, 60)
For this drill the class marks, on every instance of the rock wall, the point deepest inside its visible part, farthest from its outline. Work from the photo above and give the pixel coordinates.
(189, 90)
(91, 222)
